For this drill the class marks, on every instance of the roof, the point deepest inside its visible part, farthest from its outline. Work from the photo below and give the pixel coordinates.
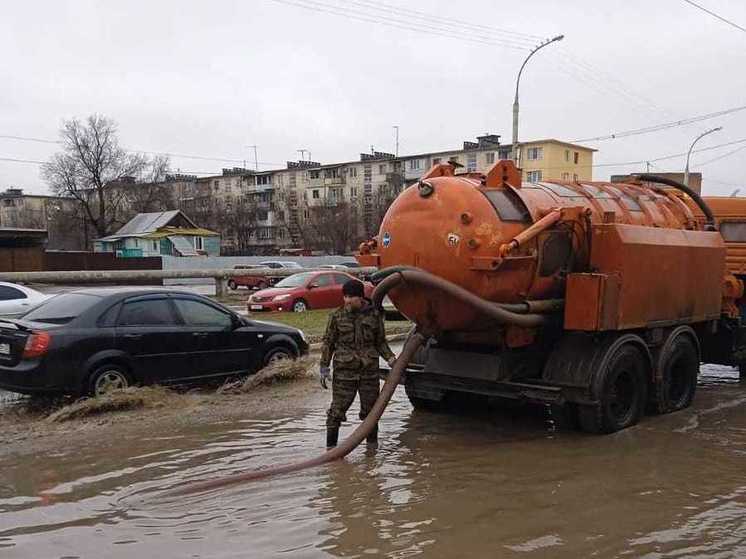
(149, 222)
(553, 141)
(146, 224)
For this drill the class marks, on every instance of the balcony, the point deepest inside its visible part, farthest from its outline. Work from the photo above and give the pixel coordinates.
(334, 181)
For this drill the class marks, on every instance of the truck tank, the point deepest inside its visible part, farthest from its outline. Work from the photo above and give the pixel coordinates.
(505, 241)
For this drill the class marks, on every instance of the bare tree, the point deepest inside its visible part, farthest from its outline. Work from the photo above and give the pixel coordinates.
(91, 168)
(331, 226)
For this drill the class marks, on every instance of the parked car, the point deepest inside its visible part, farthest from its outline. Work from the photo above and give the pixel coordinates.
(334, 267)
(91, 341)
(300, 292)
(252, 282)
(18, 299)
(275, 264)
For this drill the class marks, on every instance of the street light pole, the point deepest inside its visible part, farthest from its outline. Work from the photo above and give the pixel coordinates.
(702, 135)
(514, 146)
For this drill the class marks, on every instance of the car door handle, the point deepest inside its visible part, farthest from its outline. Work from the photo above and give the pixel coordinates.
(133, 336)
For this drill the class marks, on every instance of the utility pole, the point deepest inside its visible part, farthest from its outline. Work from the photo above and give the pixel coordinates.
(702, 135)
(256, 159)
(514, 146)
(396, 153)
(302, 153)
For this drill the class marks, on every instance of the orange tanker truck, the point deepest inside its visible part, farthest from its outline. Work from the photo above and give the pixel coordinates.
(600, 297)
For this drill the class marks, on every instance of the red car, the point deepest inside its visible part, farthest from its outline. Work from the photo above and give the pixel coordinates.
(252, 282)
(300, 292)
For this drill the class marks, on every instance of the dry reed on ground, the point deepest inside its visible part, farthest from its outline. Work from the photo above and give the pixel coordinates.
(282, 371)
(118, 400)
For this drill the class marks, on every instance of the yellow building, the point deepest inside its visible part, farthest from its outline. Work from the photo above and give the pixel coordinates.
(553, 159)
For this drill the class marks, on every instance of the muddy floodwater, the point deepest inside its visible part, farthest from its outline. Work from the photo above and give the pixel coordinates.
(498, 484)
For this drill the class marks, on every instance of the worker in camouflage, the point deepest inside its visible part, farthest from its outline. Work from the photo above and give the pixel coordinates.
(355, 336)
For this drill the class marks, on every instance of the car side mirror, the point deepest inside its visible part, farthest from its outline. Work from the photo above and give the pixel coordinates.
(313, 285)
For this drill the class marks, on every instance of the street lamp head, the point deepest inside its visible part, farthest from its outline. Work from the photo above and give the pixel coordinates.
(558, 38)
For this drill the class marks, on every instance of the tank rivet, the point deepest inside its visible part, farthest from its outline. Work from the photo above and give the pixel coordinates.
(466, 218)
(473, 243)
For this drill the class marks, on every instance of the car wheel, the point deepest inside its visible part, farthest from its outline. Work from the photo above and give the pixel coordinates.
(107, 378)
(232, 284)
(300, 306)
(276, 354)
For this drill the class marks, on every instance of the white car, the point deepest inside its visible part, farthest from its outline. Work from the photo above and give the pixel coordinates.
(16, 300)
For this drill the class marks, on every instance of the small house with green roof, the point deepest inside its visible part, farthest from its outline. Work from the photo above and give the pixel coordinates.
(169, 233)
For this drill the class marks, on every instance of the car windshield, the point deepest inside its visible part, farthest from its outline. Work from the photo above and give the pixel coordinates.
(62, 308)
(295, 280)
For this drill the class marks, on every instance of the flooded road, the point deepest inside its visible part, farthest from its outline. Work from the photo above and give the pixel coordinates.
(499, 484)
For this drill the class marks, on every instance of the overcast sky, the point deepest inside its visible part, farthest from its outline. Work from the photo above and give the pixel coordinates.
(211, 78)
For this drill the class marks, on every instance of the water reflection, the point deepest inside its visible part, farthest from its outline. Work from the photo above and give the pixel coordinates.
(504, 483)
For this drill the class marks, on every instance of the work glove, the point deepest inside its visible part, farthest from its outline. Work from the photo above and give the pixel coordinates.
(325, 374)
(392, 361)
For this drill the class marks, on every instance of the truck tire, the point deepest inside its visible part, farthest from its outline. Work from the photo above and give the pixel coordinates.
(420, 403)
(677, 369)
(622, 391)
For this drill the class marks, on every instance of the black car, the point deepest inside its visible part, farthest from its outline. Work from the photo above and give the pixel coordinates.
(89, 341)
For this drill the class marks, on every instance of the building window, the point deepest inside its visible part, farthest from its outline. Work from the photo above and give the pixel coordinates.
(471, 162)
(436, 160)
(567, 155)
(352, 172)
(535, 154)
(313, 174)
(504, 154)
(353, 192)
(565, 176)
(414, 164)
(382, 169)
(454, 159)
(216, 184)
(155, 246)
(533, 176)
(263, 179)
(490, 157)
(198, 243)
(315, 194)
(281, 215)
(577, 157)
(305, 214)
(330, 174)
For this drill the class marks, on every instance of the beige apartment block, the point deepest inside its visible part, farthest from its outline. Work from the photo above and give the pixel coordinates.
(556, 160)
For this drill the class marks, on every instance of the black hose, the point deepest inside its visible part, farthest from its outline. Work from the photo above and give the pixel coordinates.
(487, 308)
(711, 226)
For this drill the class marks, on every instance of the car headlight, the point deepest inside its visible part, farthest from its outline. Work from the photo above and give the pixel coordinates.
(281, 297)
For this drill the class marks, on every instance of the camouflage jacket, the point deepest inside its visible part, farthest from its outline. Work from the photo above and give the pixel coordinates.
(355, 339)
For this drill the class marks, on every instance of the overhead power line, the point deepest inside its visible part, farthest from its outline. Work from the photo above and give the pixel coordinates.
(713, 14)
(663, 126)
(166, 153)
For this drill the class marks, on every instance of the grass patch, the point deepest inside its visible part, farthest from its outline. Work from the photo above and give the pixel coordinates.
(120, 400)
(286, 370)
(313, 323)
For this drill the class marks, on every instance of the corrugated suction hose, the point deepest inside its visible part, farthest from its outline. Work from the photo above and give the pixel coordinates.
(412, 344)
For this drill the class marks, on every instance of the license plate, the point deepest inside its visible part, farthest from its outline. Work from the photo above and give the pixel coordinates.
(256, 307)
(4, 349)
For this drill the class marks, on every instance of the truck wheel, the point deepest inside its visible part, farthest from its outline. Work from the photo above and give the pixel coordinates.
(232, 285)
(622, 392)
(677, 371)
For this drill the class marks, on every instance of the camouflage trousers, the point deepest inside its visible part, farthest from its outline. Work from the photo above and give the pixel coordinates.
(343, 394)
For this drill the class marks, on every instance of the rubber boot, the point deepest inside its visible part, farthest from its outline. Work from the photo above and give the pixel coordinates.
(372, 437)
(332, 436)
